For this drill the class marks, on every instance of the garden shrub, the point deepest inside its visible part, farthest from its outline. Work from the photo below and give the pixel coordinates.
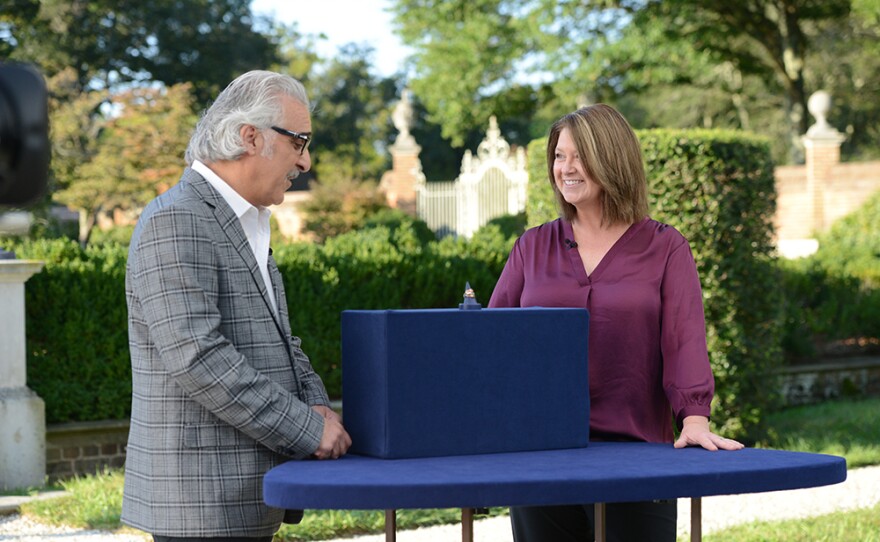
(379, 268)
(541, 205)
(851, 246)
(717, 189)
(76, 315)
(77, 331)
(395, 219)
(827, 312)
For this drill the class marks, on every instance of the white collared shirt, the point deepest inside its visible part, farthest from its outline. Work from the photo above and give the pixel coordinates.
(254, 221)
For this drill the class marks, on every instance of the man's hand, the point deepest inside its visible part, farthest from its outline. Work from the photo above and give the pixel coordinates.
(695, 432)
(335, 440)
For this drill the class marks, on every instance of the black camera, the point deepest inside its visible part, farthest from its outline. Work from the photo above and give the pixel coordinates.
(24, 135)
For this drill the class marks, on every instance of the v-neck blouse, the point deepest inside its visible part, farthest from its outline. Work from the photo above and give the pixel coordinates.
(648, 360)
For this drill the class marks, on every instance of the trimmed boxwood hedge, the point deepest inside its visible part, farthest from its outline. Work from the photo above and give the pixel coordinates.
(717, 189)
(77, 335)
(833, 297)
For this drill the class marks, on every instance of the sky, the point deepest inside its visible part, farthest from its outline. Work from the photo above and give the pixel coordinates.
(343, 21)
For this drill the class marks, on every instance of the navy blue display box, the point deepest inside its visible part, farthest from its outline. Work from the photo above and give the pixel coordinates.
(438, 382)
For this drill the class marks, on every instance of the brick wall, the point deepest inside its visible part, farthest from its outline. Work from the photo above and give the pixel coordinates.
(843, 189)
(850, 185)
(85, 447)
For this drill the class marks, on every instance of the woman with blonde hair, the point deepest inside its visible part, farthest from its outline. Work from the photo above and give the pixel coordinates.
(648, 359)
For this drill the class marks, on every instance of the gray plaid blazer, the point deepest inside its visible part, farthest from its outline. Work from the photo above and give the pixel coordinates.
(221, 391)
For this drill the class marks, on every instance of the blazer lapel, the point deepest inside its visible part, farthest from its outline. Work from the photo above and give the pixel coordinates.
(280, 299)
(231, 226)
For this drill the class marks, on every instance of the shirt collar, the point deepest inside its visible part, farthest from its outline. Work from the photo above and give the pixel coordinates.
(239, 205)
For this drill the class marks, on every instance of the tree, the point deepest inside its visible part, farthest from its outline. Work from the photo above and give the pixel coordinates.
(340, 207)
(611, 48)
(351, 118)
(297, 56)
(352, 128)
(846, 63)
(463, 48)
(120, 160)
(766, 38)
(112, 43)
(75, 120)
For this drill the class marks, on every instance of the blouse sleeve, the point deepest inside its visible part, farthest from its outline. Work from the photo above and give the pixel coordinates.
(687, 374)
(508, 290)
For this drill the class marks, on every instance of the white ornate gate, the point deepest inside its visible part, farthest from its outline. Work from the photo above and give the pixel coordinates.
(491, 184)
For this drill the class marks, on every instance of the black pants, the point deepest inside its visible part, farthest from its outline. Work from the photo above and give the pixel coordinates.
(158, 538)
(625, 522)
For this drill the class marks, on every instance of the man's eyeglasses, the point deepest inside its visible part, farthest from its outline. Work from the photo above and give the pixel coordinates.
(302, 139)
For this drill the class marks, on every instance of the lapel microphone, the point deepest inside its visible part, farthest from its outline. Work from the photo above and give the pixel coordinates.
(569, 244)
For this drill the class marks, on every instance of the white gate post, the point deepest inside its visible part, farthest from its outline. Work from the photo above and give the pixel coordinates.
(22, 412)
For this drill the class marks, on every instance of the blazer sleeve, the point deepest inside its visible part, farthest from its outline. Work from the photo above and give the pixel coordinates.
(312, 387)
(176, 277)
(314, 392)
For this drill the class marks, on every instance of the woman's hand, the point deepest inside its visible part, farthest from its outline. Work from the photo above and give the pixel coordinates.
(695, 432)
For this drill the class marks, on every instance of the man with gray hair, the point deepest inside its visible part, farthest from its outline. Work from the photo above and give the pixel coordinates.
(221, 390)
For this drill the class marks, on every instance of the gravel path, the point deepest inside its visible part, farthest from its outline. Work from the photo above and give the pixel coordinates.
(860, 490)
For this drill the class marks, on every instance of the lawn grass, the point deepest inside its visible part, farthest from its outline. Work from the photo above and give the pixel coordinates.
(847, 428)
(327, 524)
(861, 525)
(93, 502)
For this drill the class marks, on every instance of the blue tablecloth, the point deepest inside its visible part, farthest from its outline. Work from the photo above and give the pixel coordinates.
(601, 472)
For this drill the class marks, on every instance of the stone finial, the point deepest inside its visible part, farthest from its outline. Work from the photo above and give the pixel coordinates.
(819, 105)
(402, 117)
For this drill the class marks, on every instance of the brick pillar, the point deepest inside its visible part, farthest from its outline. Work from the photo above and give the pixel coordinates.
(399, 184)
(822, 145)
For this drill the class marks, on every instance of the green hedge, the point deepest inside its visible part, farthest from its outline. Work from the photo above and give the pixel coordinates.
(717, 189)
(77, 342)
(851, 247)
(827, 312)
(541, 205)
(380, 269)
(77, 335)
(833, 297)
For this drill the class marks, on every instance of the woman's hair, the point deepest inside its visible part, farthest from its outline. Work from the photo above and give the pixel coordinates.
(611, 155)
(253, 98)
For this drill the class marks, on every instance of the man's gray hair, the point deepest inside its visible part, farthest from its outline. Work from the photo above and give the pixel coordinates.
(253, 98)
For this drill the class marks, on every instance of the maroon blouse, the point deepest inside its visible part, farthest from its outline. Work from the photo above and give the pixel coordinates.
(647, 339)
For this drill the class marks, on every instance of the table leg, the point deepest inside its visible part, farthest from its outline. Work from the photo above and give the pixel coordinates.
(390, 525)
(696, 519)
(599, 513)
(467, 525)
